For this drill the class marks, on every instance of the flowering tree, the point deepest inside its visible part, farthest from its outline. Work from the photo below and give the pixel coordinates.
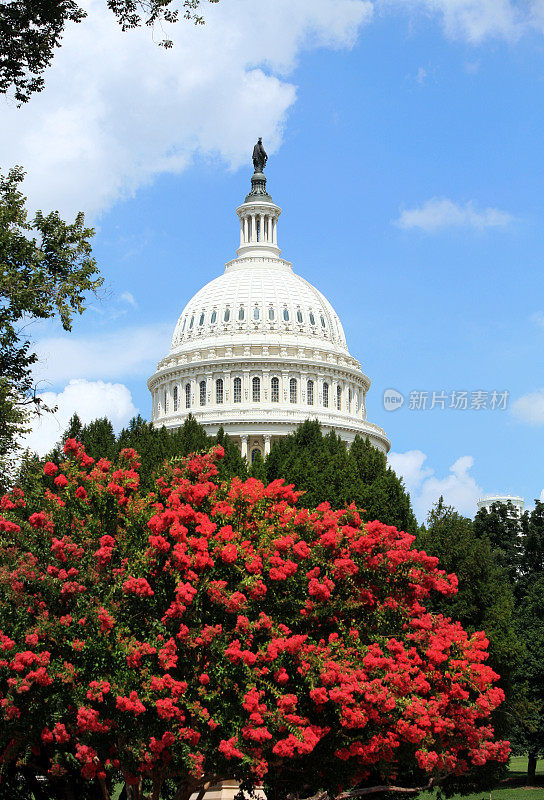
(209, 631)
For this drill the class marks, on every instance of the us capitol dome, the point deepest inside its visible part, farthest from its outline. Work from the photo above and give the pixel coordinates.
(258, 350)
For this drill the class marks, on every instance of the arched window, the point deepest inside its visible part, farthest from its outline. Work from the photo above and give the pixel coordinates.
(310, 393)
(202, 388)
(286, 314)
(191, 322)
(219, 390)
(175, 398)
(326, 395)
(187, 395)
(256, 313)
(226, 315)
(241, 313)
(322, 321)
(201, 320)
(339, 398)
(349, 397)
(275, 390)
(213, 317)
(312, 319)
(166, 402)
(184, 324)
(254, 453)
(237, 390)
(299, 316)
(271, 314)
(293, 390)
(256, 390)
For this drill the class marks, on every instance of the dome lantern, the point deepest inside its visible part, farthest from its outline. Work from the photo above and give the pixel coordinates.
(258, 215)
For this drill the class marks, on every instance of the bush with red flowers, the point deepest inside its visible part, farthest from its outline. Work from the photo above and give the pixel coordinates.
(211, 631)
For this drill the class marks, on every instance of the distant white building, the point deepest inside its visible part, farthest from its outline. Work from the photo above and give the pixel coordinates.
(489, 499)
(258, 350)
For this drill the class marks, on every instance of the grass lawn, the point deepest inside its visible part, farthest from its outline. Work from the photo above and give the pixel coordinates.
(517, 769)
(518, 764)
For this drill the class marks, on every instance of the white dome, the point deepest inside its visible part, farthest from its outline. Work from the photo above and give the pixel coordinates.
(264, 299)
(259, 350)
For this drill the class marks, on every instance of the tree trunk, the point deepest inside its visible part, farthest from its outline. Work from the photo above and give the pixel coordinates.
(531, 768)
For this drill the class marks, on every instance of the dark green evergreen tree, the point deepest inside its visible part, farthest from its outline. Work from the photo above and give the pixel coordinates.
(152, 444)
(74, 429)
(377, 488)
(528, 733)
(99, 439)
(485, 598)
(325, 469)
(502, 527)
(258, 469)
(233, 463)
(316, 464)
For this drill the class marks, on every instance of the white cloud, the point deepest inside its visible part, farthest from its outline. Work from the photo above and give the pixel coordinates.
(129, 298)
(124, 353)
(439, 213)
(410, 466)
(118, 110)
(459, 489)
(530, 407)
(475, 20)
(91, 400)
(542, 496)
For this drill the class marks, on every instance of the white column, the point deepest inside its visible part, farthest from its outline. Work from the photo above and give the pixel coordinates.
(245, 387)
(227, 388)
(241, 231)
(243, 448)
(193, 392)
(266, 444)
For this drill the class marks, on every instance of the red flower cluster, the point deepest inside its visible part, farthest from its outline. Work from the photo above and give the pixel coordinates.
(213, 629)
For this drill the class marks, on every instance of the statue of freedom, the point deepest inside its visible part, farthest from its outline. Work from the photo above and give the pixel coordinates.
(259, 156)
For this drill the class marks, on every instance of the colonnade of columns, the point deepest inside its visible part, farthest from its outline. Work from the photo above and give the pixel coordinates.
(301, 389)
(258, 228)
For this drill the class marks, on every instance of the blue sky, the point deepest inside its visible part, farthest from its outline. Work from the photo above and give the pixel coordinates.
(405, 144)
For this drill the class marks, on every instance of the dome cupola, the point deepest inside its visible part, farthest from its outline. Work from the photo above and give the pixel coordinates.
(259, 349)
(258, 221)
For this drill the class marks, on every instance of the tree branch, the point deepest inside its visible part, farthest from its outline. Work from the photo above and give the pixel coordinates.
(368, 790)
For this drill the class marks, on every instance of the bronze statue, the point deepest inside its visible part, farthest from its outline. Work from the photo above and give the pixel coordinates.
(259, 156)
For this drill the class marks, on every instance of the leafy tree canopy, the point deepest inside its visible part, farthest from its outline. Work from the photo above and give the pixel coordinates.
(503, 528)
(485, 597)
(46, 269)
(210, 630)
(31, 30)
(528, 733)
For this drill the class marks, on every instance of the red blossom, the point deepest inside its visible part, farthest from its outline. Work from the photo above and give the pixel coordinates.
(223, 624)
